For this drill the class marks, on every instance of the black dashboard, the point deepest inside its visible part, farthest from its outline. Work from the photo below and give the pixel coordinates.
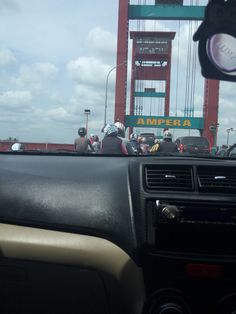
(174, 216)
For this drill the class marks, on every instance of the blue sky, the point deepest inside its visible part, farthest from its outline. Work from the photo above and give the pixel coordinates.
(54, 58)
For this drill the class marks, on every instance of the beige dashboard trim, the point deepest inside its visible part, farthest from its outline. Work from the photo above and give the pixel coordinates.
(74, 249)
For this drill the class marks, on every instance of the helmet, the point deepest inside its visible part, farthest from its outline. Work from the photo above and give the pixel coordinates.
(167, 135)
(156, 141)
(139, 139)
(17, 147)
(82, 132)
(143, 140)
(120, 126)
(110, 129)
(94, 138)
(121, 129)
(133, 136)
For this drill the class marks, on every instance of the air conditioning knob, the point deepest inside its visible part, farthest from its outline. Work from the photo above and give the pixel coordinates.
(170, 212)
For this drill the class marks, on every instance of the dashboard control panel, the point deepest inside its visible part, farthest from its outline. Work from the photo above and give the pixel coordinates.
(191, 226)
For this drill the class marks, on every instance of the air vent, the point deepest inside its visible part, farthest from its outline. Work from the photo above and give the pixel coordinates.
(168, 177)
(217, 179)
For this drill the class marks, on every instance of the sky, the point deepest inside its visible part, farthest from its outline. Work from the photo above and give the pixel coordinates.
(54, 59)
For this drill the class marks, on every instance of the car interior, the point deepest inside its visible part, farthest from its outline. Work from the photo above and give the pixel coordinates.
(151, 234)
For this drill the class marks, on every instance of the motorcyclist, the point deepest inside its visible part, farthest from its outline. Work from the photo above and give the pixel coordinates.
(92, 138)
(121, 134)
(82, 144)
(167, 146)
(95, 142)
(134, 143)
(155, 147)
(144, 147)
(112, 144)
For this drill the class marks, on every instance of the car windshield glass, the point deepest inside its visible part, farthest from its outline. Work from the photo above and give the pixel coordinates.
(111, 78)
(195, 141)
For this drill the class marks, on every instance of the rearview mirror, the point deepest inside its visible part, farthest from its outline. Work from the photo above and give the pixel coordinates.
(217, 41)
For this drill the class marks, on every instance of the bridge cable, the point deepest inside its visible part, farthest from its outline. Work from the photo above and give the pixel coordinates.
(177, 74)
(196, 23)
(188, 71)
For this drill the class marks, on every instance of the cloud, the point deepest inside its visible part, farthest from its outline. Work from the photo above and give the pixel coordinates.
(19, 101)
(61, 114)
(88, 70)
(47, 69)
(36, 77)
(7, 57)
(102, 44)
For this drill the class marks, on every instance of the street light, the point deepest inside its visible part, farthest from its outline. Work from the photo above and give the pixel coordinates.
(106, 91)
(87, 113)
(228, 131)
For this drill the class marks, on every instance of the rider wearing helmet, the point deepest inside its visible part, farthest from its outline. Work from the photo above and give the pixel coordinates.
(121, 134)
(155, 147)
(94, 140)
(134, 143)
(144, 147)
(112, 144)
(82, 144)
(121, 129)
(167, 146)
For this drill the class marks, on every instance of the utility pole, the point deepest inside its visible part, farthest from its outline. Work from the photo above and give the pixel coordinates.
(87, 113)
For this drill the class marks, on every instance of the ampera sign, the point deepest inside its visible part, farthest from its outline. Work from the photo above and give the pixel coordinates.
(164, 122)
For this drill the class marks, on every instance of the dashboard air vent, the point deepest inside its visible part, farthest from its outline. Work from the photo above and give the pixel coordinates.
(217, 179)
(168, 177)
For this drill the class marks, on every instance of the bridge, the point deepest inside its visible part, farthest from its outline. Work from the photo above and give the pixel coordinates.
(151, 64)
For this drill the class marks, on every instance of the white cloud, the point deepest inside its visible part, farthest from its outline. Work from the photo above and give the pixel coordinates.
(47, 69)
(102, 44)
(88, 71)
(60, 114)
(36, 77)
(27, 77)
(7, 57)
(16, 100)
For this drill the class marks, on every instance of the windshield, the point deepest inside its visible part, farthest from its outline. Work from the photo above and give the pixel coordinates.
(195, 141)
(110, 78)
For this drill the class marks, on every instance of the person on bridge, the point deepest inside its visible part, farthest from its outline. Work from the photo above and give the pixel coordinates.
(134, 143)
(94, 140)
(112, 144)
(121, 134)
(82, 144)
(167, 146)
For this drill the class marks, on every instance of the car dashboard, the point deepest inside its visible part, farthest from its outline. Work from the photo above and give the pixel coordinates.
(99, 234)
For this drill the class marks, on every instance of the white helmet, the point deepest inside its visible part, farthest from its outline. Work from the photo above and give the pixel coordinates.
(121, 129)
(133, 136)
(167, 135)
(120, 126)
(110, 129)
(17, 147)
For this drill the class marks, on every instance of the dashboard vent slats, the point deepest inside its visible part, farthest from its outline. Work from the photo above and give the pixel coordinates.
(168, 177)
(217, 179)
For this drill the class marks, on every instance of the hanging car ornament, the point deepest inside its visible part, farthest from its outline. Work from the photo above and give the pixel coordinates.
(217, 40)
